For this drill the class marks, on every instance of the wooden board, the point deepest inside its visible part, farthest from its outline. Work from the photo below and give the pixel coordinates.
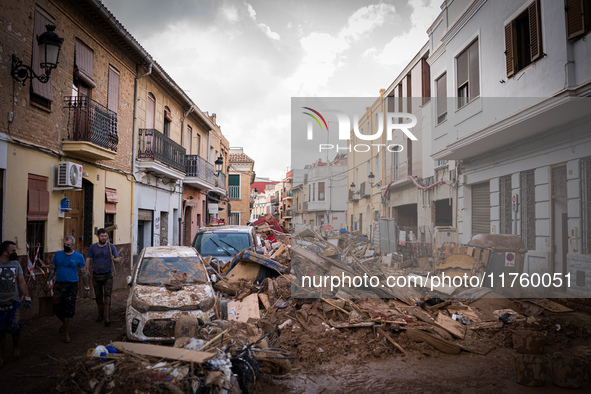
(164, 352)
(485, 325)
(440, 344)
(389, 339)
(265, 300)
(243, 270)
(551, 305)
(456, 329)
(245, 309)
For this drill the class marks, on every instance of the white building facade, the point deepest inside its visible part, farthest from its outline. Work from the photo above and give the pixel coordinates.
(512, 81)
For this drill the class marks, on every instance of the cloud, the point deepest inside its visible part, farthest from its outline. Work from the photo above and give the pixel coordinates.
(401, 49)
(229, 13)
(325, 53)
(366, 19)
(266, 29)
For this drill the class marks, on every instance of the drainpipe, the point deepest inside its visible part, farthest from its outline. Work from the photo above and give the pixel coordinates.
(133, 150)
(181, 204)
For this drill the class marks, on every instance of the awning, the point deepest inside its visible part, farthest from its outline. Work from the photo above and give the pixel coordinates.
(191, 203)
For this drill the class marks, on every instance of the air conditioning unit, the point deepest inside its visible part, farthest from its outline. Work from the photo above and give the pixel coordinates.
(69, 174)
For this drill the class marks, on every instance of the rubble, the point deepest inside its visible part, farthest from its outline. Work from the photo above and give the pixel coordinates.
(268, 323)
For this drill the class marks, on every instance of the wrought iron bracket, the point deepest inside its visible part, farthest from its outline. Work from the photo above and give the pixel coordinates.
(21, 72)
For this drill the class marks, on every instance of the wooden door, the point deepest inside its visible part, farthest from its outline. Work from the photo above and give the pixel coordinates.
(74, 221)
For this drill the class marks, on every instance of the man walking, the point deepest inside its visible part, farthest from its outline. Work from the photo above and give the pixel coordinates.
(11, 282)
(66, 263)
(102, 257)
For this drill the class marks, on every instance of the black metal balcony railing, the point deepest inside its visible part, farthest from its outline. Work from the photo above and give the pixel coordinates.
(197, 166)
(91, 122)
(353, 195)
(220, 181)
(156, 146)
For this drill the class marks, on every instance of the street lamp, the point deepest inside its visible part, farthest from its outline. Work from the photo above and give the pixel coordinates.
(371, 177)
(50, 45)
(218, 165)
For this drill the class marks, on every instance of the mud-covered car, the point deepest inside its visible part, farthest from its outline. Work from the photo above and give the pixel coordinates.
(225, 242)
(167, 283)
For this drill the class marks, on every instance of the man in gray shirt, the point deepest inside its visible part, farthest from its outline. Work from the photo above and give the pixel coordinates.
(11, 281)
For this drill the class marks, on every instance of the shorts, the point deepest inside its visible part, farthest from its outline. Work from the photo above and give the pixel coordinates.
(10, 319)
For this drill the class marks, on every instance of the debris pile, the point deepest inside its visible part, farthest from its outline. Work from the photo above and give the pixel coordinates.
(268, 322)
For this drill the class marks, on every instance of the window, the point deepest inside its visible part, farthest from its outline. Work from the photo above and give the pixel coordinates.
(234, 187)
(110, 210)
(37, 212)
(443, 212)
(198, 144)
(523, 39)
(167, 121)
(313, 192)
(441, 86)
(40, 92)
(38, 198)
(151, 111)
(586, 203)
(528, 208)
(578, 17)
(426, 81)
(113, 91)
(320, 191)
(189, 140)
(505, 205)
(84, 68)
(468, 75)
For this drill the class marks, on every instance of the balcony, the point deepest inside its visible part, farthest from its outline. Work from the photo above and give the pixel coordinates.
(305, 206)
(92, 130)
(160, 154)
(288, 214)
(287, 195)
(353, 195)
(364, 191)
(220, 181)
(198, 172)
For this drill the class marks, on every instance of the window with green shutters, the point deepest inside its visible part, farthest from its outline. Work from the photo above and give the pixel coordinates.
(234, 187)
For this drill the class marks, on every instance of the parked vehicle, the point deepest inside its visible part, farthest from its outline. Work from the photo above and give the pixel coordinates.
(225, 242)
(167, 283)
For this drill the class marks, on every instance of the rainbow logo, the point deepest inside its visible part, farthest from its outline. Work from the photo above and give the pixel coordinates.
(315, 118)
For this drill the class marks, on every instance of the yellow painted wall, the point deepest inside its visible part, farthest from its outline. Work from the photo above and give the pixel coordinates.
(23, 161)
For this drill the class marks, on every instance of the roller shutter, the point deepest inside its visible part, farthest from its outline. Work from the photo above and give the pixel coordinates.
(481, 208)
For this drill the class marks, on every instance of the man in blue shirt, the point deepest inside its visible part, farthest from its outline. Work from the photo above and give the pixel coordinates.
(11, 282)
(66, 263)
(102, 257)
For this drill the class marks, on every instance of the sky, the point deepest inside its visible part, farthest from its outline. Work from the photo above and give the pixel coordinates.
(245, 60)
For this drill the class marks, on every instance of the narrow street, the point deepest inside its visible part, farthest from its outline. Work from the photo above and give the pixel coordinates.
(38, 368)
(352, 363)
